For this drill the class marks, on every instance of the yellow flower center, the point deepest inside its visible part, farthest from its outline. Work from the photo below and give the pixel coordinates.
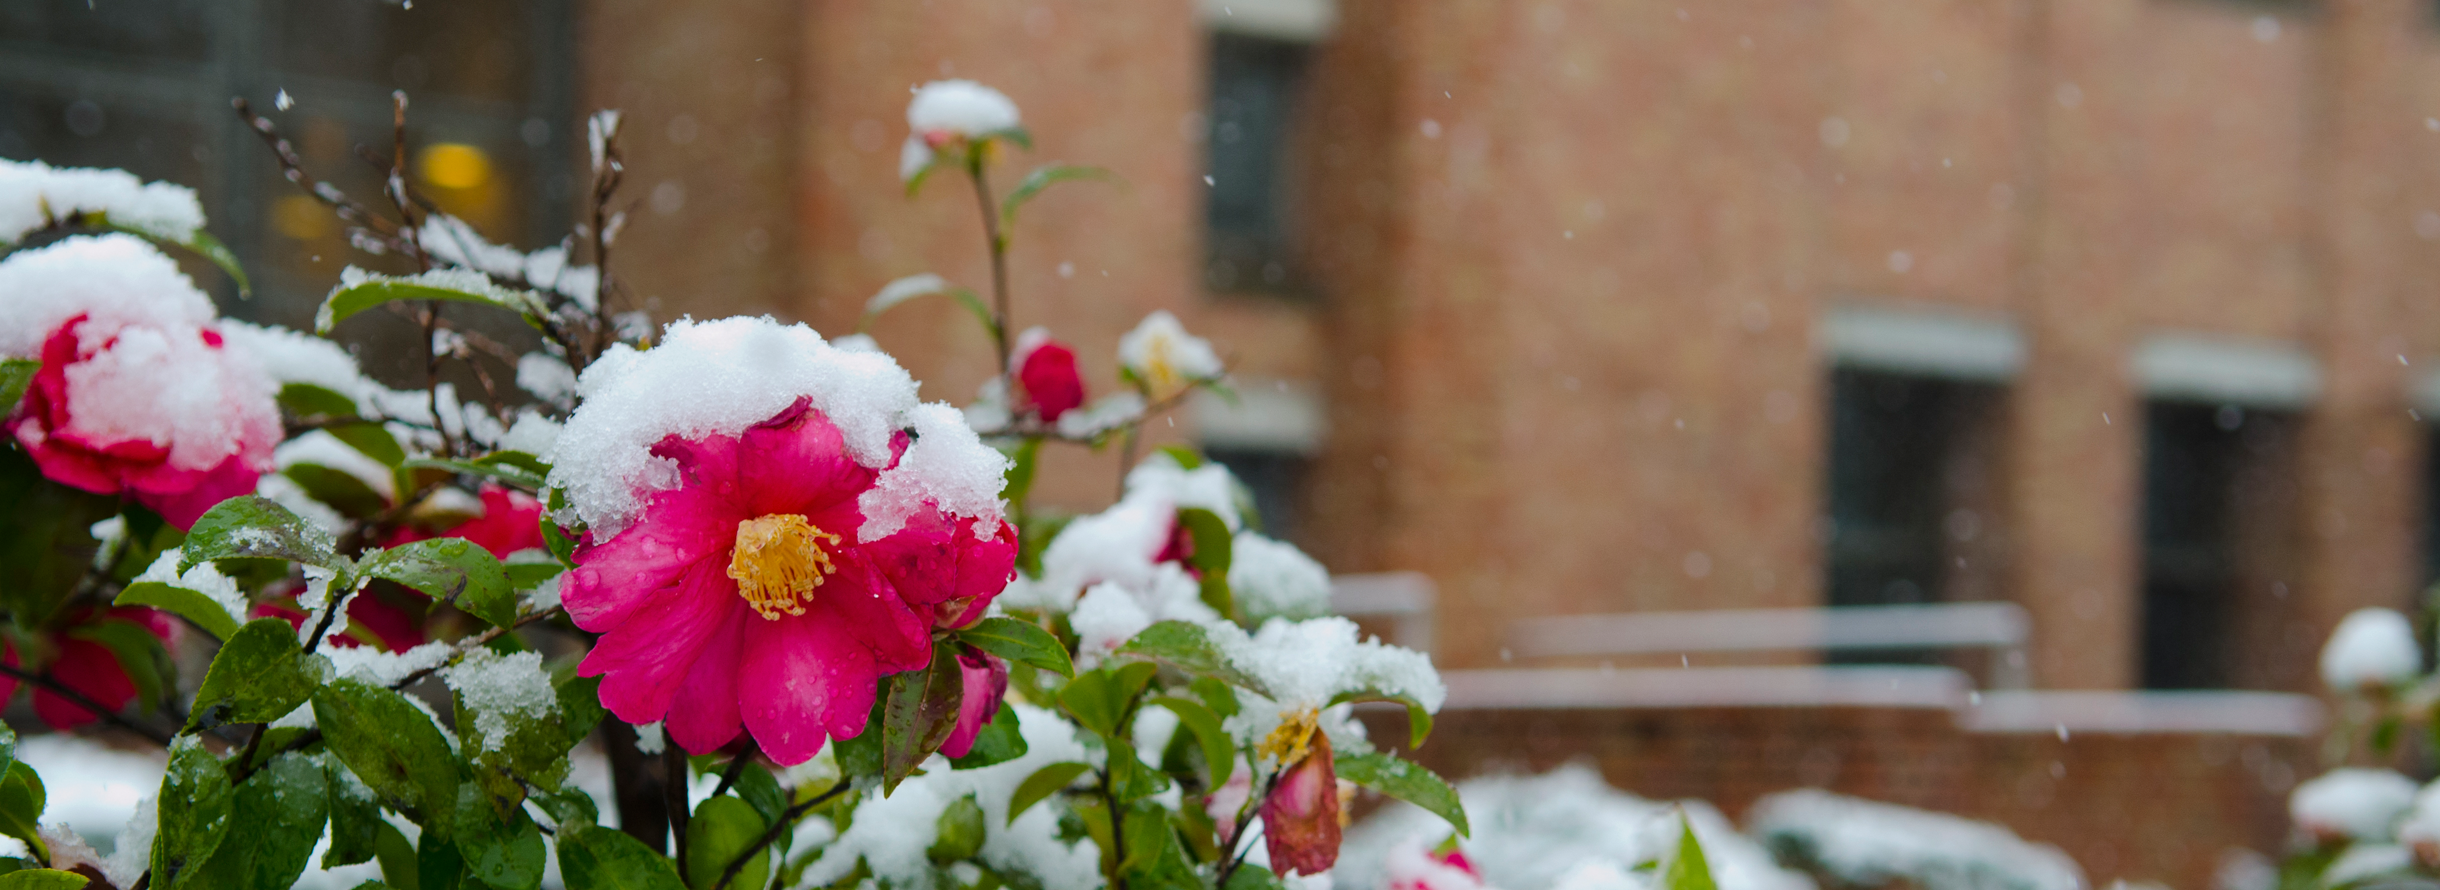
(1160, 370)
(1286, 744)
(778, 562)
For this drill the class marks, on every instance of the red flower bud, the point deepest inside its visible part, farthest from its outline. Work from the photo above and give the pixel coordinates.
(1300, 820)
(1048, 373)
(986, 679)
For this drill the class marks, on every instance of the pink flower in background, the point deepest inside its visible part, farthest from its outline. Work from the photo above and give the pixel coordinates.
(86, 666)
(511, 521)
(165, 415)
(749, 589)
(1046, 368)
(1411, 867)
(986, 682)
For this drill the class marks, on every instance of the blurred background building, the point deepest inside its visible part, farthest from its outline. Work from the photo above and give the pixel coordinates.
(2119, 311)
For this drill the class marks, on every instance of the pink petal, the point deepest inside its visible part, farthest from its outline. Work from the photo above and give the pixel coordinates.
(615, 578)
(181, 497)
(1300, 820)
(804, 680)
(798, 463)
(705, 718)
(644, 661)
(873, 614)
(986, 681)
(938, 562)
(87, 667)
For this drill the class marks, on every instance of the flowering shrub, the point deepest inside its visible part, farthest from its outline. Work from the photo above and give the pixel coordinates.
(809, 621)
(2363, 821)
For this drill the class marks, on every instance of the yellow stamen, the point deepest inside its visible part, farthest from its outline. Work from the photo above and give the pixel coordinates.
(778, 562)
(1160, 371)
(1286, 744)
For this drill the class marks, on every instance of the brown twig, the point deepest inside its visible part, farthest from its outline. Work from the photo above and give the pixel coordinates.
(79, 699)
(1245, 819)
(999, 257)
(737, 767)
(729, 875)
(292, 167)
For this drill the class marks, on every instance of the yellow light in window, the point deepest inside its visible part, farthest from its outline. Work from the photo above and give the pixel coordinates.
(453, 165)
(301, 217)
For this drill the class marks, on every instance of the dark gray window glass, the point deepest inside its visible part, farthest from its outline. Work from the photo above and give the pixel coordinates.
(2218, 549)
(1255, 84)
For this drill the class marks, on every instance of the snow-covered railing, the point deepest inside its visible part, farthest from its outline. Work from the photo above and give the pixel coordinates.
(2000, 627)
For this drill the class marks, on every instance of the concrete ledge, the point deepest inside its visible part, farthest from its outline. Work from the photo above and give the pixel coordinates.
(2117, 712)
(1728, 687)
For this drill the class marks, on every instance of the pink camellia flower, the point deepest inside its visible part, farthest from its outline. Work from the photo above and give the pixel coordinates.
(1300, 819)
(511, 521)
(136, 394)
(751, 588)
(165, 415)
(986, 682)
(1411, 867)
(86, 666)
(1046, 368)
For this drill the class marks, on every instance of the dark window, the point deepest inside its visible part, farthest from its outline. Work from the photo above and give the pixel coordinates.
(1273, 478)
(145, 85)
(2219, 500)
(1911, 494)
(1254, 91)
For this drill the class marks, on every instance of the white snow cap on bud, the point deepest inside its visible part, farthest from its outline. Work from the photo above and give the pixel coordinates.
(960, 108)
(2420, 832)
(1165, 356)
(2371, 647)
(2353, 803)
(913, 157)
(1027, 342)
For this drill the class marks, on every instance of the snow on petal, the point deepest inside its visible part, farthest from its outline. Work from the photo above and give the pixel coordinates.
(960, 108)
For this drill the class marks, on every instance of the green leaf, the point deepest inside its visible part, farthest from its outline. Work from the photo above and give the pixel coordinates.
(597, 858)
(1018, 482)
(516, 473)
(722, 829)
(1253, 877)
(197, 812)
(372, 440)
(904, 290)
(353, 497)
(439, 862)
(1043, 783)
(355, 817)
(281, 809)
(8, 748)
(1130, 778)
(861, 755)
(1000, 742)
(1216, 696)
(568, 806)
(16, 374)
(21, 803)
(1214, 547)
(1155, 859)
(756, 786)
(259, 676)
(391, 745)
(580, 707)
(1418, 719)
(1688, 870)
(1405, 781)
(371, 290)
(45, 548)
(308, 401)
(958, 833)
(452, 570)
(1184, 645)
(210, 248)
(920, 714)
(255, 526)
(562, 547)
(505, 857)
(1219, 751)
(202, 611)
(1022, 641)
(1042, 178)
(397, 857)
(1102, 699)
(42, 879)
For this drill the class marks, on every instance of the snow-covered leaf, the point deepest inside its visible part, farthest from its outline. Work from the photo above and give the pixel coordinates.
(257, 526)
(391, 745)
(1042, 178)
(516, 468)
(898, 292)
(259, 676)
(1187, 647)
(1404, 780)
(203, 611)
(197, 810)
(1418, 718)
(359, 290)
(282, 808)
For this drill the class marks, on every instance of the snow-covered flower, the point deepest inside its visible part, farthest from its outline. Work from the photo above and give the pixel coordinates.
(2371, 648)
(2420, 832)
(766, 536)
(945, 113)
(960, 109)
(137, 393)
(2351, 803)
(1165, 358)
(1412, 867)
(1046, 368)
(83, 665)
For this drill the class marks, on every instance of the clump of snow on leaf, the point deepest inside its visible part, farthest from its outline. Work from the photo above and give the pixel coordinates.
(205, 578)
(320, 448)
(961, 108)
(1867, 843)
(1305, 663)
(2371, 648)
(33, 194)
(721, 377)
(445, 278)
(113, 280)
(1532, 831)
(364, 664)
(891, 834)
(1272, 579)
(2352, 802)
(1101, 415)
(1120, 544)
(498, 688)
